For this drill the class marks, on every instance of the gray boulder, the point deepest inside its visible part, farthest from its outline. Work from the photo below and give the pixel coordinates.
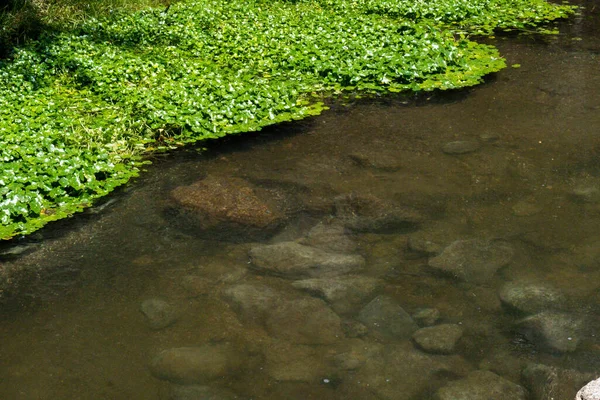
(385, 316)
(552, 331)
(474, 261)
(159, 314)
(438, 339)
(344, 293)
(530, 298)
(591, 391)
(482, 385)
(295, 261)
(191, 365)
(366, 213)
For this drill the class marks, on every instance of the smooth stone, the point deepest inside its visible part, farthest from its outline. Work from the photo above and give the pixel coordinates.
(304, 321)
(199, 392)
(460, 147)
(225, 208)
(329, 237)
(354, 354)
(473, 261)
(530, 298)
(482, 385)
(591, 391)
(552, 331)
(189, 365)
(385, 316)
(159, 314)
(344, 293)
(295, 261)
(398, 372)
(366, 213)
(252, 301)
(547, 382)
(426, 316)
(439, 339)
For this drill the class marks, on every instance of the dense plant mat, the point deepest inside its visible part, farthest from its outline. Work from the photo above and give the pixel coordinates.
(79, 109)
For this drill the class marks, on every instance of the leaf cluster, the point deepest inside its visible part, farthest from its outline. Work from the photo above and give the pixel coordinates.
(78, 109)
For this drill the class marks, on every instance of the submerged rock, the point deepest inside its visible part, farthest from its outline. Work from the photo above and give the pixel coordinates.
(438, 339)
(474, 261)
(252, 301)
(225, 208)
(294, 363)
(304, 321)
(591, 391)
(366, 213)
(293, 260)
(460, 147)
(530, 298)
(398, 372)
(329, 237)
(385, 316)
(199, 392)
(552, 331)
(189, 365)
(482, 385)
(344, 293)
(586, 194)
(159, 314)
(547, 382)
(426, 316)
(354, 329)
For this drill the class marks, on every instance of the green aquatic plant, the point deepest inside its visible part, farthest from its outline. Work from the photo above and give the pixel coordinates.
(79, 109)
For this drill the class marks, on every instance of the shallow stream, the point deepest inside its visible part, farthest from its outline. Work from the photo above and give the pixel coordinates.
(431, 247)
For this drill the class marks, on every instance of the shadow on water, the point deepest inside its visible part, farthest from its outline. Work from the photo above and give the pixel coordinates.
(420, 247)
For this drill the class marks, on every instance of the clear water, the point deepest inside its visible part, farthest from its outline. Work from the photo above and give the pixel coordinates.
(72, 327)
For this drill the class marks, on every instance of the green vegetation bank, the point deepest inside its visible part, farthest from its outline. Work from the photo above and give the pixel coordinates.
(79, 109)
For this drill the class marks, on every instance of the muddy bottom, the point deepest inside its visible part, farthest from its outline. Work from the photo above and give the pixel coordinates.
(434, 248)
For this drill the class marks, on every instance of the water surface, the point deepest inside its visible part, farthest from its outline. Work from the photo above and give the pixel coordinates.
(72, 328)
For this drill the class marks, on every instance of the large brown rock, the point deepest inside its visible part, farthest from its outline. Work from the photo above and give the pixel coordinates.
(226, 208)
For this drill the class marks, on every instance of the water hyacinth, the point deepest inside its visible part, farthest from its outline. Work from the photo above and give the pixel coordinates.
(79, 109)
